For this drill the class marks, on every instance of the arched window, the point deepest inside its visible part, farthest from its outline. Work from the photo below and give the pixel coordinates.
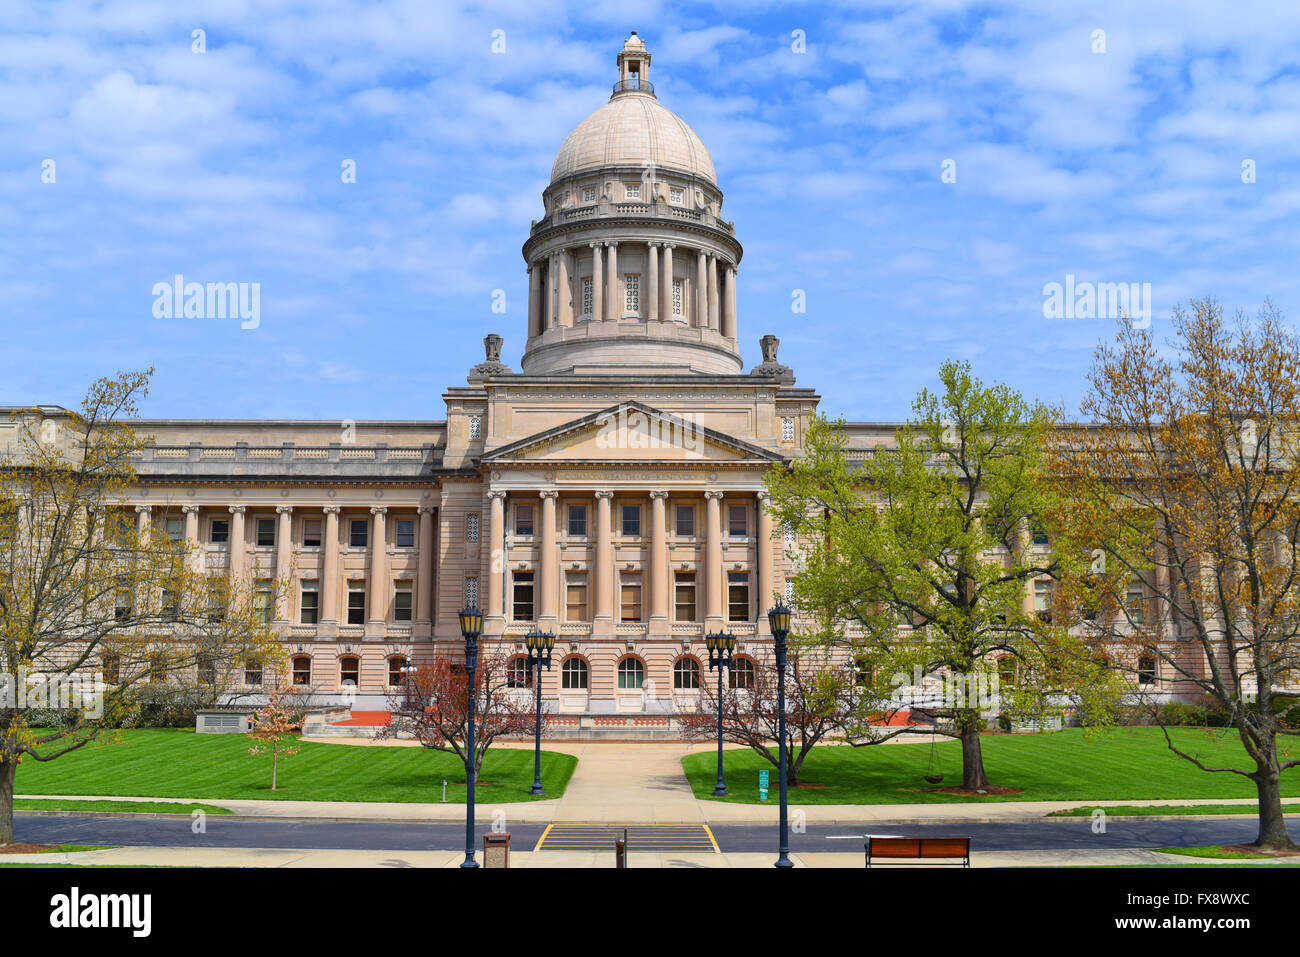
(349, 671)
(518, 674)
(397, 666)
(301, 670)
(573, 675)
(686, 674)
(631, 674)
(742, 673)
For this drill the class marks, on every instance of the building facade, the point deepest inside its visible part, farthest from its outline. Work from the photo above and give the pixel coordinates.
(610, 491)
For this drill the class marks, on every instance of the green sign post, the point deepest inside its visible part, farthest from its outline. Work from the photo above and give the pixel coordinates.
(762, 785)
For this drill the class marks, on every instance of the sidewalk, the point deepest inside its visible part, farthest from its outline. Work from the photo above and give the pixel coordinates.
(626, 783)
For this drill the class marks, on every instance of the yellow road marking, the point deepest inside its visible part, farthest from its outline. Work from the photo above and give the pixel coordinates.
(542, 840)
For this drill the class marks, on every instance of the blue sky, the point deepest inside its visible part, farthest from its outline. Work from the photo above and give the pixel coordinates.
(1116, 166)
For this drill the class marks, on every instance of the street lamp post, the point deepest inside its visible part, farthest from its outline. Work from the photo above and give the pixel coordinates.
(779, 620)
(539, 644)
(471, 626)
(722, 652)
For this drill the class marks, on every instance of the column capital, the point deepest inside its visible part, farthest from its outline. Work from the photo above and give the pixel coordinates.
(426, 509)
(143, 509)
(595, 245)
(282, 509)
(658, 493)
(236, 509)
(549, 493)
(612, 243)
(378, 509)
(495, 493)
(654, 245)
(668, 245)
(763, 496)
(604, 493)
(332, 509)
(190, 509)
(713, 495)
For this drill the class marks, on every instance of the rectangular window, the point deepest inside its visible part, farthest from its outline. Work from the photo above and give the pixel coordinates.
(1043, 600)
(632, 190)
(630, 597)
(175, 528)
(405, 533)
(219, 531)
(471, 592)
(686, 520)
(578, 521)
(523, 520)
(471, 527)
(356, 603)
(523, 596)
(588, 296)
(262, 602)
(632, 521)
(787, 429)
(737, 521)
(632, 293)
(737, 596)
(475, 427)
(589, 194)
(402, 604)
(311, 532)
(677, 297)
(1135, 603)
(170, 605)
(358, 533)
(253, 673)
(675, 195)
(265, 532)
(790, 539)
(310, 603)
(684, 596)
(575, 597)
(207, 671)
(350, 671)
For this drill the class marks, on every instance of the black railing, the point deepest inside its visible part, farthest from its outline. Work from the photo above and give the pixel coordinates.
(634, 83)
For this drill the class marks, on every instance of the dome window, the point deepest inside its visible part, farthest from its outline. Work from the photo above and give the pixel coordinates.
(675, 195)
(633, 190)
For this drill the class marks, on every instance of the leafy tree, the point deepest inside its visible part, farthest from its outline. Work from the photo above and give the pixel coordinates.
(1179, 509)
(276, 721)
(94, 611)
(923, 551)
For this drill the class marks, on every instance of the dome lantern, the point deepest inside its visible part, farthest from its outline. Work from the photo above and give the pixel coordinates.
(634, 68)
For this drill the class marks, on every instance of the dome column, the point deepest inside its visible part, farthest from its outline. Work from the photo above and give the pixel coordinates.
(534, 300)
(667, 308)
(562, 281)
(597, 284)
(729, 306)
(613, 302)
(548, 320)
(701, 291)
(714, 324)
(652, 290)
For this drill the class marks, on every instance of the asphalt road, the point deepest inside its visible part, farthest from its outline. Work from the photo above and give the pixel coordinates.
(356, 835)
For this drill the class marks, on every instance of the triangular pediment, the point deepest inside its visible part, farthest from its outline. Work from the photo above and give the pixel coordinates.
(632, 432)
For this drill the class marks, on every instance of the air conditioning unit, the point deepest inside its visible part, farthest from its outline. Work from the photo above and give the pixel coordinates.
(223, 722)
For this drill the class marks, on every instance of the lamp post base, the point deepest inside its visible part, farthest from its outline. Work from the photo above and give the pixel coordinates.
(469, 862)
(783, 861)
(537, 789)
(720, 791)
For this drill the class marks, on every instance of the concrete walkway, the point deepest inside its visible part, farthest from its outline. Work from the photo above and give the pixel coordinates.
(643, 782)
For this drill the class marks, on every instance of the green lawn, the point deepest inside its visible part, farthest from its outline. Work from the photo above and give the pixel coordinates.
(1213, 851)
(130, 807)
(1126, 764)
(180, 763)
(1146, 810)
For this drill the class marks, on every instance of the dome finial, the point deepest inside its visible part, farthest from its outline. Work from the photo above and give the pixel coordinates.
(634, 67)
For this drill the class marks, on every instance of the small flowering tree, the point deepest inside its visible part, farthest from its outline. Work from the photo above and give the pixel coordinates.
(275, 722)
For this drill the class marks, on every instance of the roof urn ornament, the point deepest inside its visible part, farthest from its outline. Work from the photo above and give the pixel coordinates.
(770, 365)
(492, 364)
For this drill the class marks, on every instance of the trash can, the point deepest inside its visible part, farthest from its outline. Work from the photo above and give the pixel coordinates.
(496, 849)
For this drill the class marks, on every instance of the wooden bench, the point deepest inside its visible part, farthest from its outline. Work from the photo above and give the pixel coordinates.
(926, 851)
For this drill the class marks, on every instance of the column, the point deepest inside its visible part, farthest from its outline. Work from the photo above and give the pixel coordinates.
(496, 558)
(283, 560)
(613, 301)
(701, 318)
(237, 546)
(597, 284)
(729, 305)
(566, 293)
(534, 300)
(666, 290)
(659, 556)
(143, 523)
(424, 587)
(193, 551)
(329, 578)
(714, 324)
(378, 570)
(549, 322)
(652, 280)
(763, 557)
(601, 582)
(548, 564)
(713, 560)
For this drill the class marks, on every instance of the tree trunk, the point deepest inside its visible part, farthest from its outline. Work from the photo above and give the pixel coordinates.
(1272, 824)
(972, 757)
(275, 762)
(7, 769)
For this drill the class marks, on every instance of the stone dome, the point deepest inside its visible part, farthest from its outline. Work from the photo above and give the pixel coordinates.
(633, 129)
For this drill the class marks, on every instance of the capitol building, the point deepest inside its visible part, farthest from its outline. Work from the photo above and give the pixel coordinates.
(610, 490)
